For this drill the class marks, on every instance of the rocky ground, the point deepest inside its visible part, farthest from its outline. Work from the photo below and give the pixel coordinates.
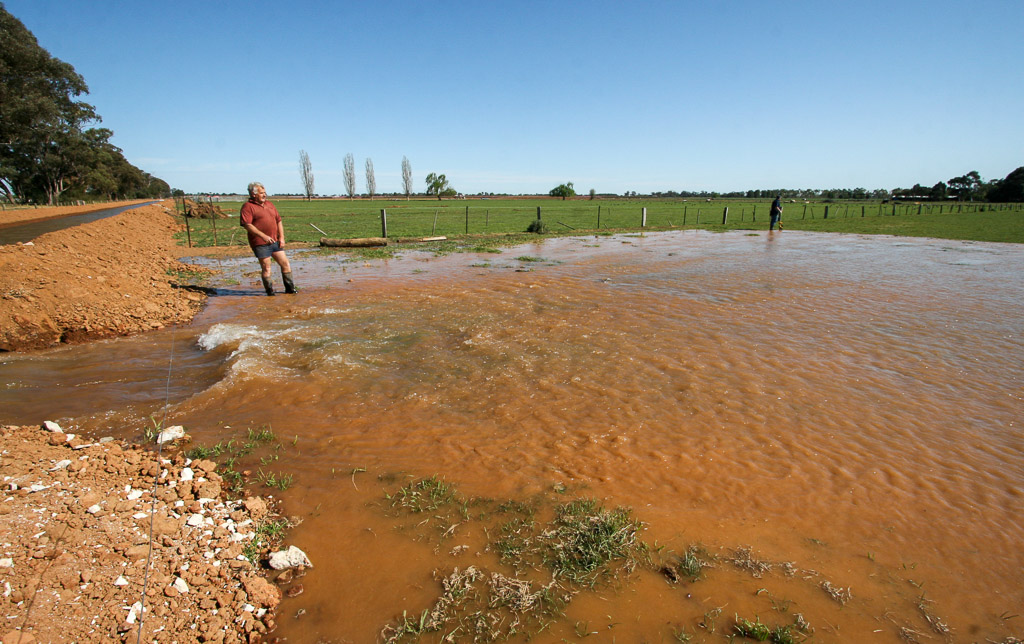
(99, 539)
(116, 276)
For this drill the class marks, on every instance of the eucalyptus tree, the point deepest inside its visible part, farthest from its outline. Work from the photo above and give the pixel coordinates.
(47, 147)
(437, 184)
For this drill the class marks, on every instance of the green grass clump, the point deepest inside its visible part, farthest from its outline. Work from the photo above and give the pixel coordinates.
(587, 537)
(268, 534)
(425, 495)
(261, 444)
(762, 632)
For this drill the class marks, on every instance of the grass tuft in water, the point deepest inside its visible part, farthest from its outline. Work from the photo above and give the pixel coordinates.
(586, 537)
(260, 444)
(762, 632)
(424, 495)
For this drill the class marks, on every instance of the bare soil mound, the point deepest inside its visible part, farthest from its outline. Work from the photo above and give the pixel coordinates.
(204, 210)
(116, 276)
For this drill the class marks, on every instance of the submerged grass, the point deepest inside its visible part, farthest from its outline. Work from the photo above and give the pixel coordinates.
(543, 553)
(585, 538)
(762, 632)
(233, 454)
(580, 545)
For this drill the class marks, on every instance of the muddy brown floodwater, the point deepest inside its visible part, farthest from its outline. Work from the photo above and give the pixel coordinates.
(846, 407)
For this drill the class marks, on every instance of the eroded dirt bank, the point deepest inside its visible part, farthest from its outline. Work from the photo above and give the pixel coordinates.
(116, 276)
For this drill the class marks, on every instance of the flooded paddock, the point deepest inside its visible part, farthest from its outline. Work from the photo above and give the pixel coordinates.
(844, 408)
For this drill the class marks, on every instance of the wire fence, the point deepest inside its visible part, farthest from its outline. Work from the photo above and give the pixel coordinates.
(306, 221)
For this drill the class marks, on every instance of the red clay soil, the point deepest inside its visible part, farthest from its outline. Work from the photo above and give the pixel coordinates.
(116, 276)
(77, 563)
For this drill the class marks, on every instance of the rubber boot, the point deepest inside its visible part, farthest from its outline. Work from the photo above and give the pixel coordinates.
(289, 285)
(268, 284)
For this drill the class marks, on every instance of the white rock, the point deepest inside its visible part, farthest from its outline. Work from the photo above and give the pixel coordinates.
(7, 563)
(134, 612)
(139, 515)
(187, 474)
(93, 509)
(60, 465)
(171, 433)
(134, 494)
(121, 581)
(51, 426)
(195, 520)
(290, 558)
(180, 585)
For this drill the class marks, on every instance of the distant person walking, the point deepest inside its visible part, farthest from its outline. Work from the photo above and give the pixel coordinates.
(775, 214)
(260, 219)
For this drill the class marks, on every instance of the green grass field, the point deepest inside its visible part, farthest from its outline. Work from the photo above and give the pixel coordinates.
(476, 222)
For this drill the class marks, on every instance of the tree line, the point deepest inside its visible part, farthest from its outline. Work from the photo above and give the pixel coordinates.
(967, 187)
(50, 149)
(437, 184)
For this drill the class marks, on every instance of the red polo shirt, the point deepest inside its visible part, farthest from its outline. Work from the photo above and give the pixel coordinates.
(264, 217)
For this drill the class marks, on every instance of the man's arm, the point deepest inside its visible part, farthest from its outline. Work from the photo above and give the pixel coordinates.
(280, 232)
(256, 231)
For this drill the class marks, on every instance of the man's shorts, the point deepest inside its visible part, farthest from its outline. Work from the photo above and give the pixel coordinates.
(264, 251)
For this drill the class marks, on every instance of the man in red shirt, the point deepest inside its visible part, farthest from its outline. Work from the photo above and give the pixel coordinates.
(260, 219)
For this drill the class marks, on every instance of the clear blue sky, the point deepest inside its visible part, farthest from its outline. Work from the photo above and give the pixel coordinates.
(521, 96)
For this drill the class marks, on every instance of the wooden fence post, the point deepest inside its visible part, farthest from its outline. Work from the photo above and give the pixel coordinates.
(467, 220)
(643, 219)
(538, 213)
(433, 229)
(599, 217)
(725, 215)
(383, 223)
(826, 211)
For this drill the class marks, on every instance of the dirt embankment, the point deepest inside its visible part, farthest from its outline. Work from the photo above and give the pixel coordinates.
(115, 276)
(22, 215)
(77, 563)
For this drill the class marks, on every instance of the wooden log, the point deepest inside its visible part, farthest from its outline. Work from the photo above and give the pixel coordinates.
(358, 242)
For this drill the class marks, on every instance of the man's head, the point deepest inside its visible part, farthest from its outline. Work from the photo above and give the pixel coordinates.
(257, 191)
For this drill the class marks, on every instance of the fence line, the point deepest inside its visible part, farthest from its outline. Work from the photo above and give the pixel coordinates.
(400, 221)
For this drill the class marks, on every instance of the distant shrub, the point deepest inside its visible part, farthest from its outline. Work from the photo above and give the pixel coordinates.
(537, 226)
